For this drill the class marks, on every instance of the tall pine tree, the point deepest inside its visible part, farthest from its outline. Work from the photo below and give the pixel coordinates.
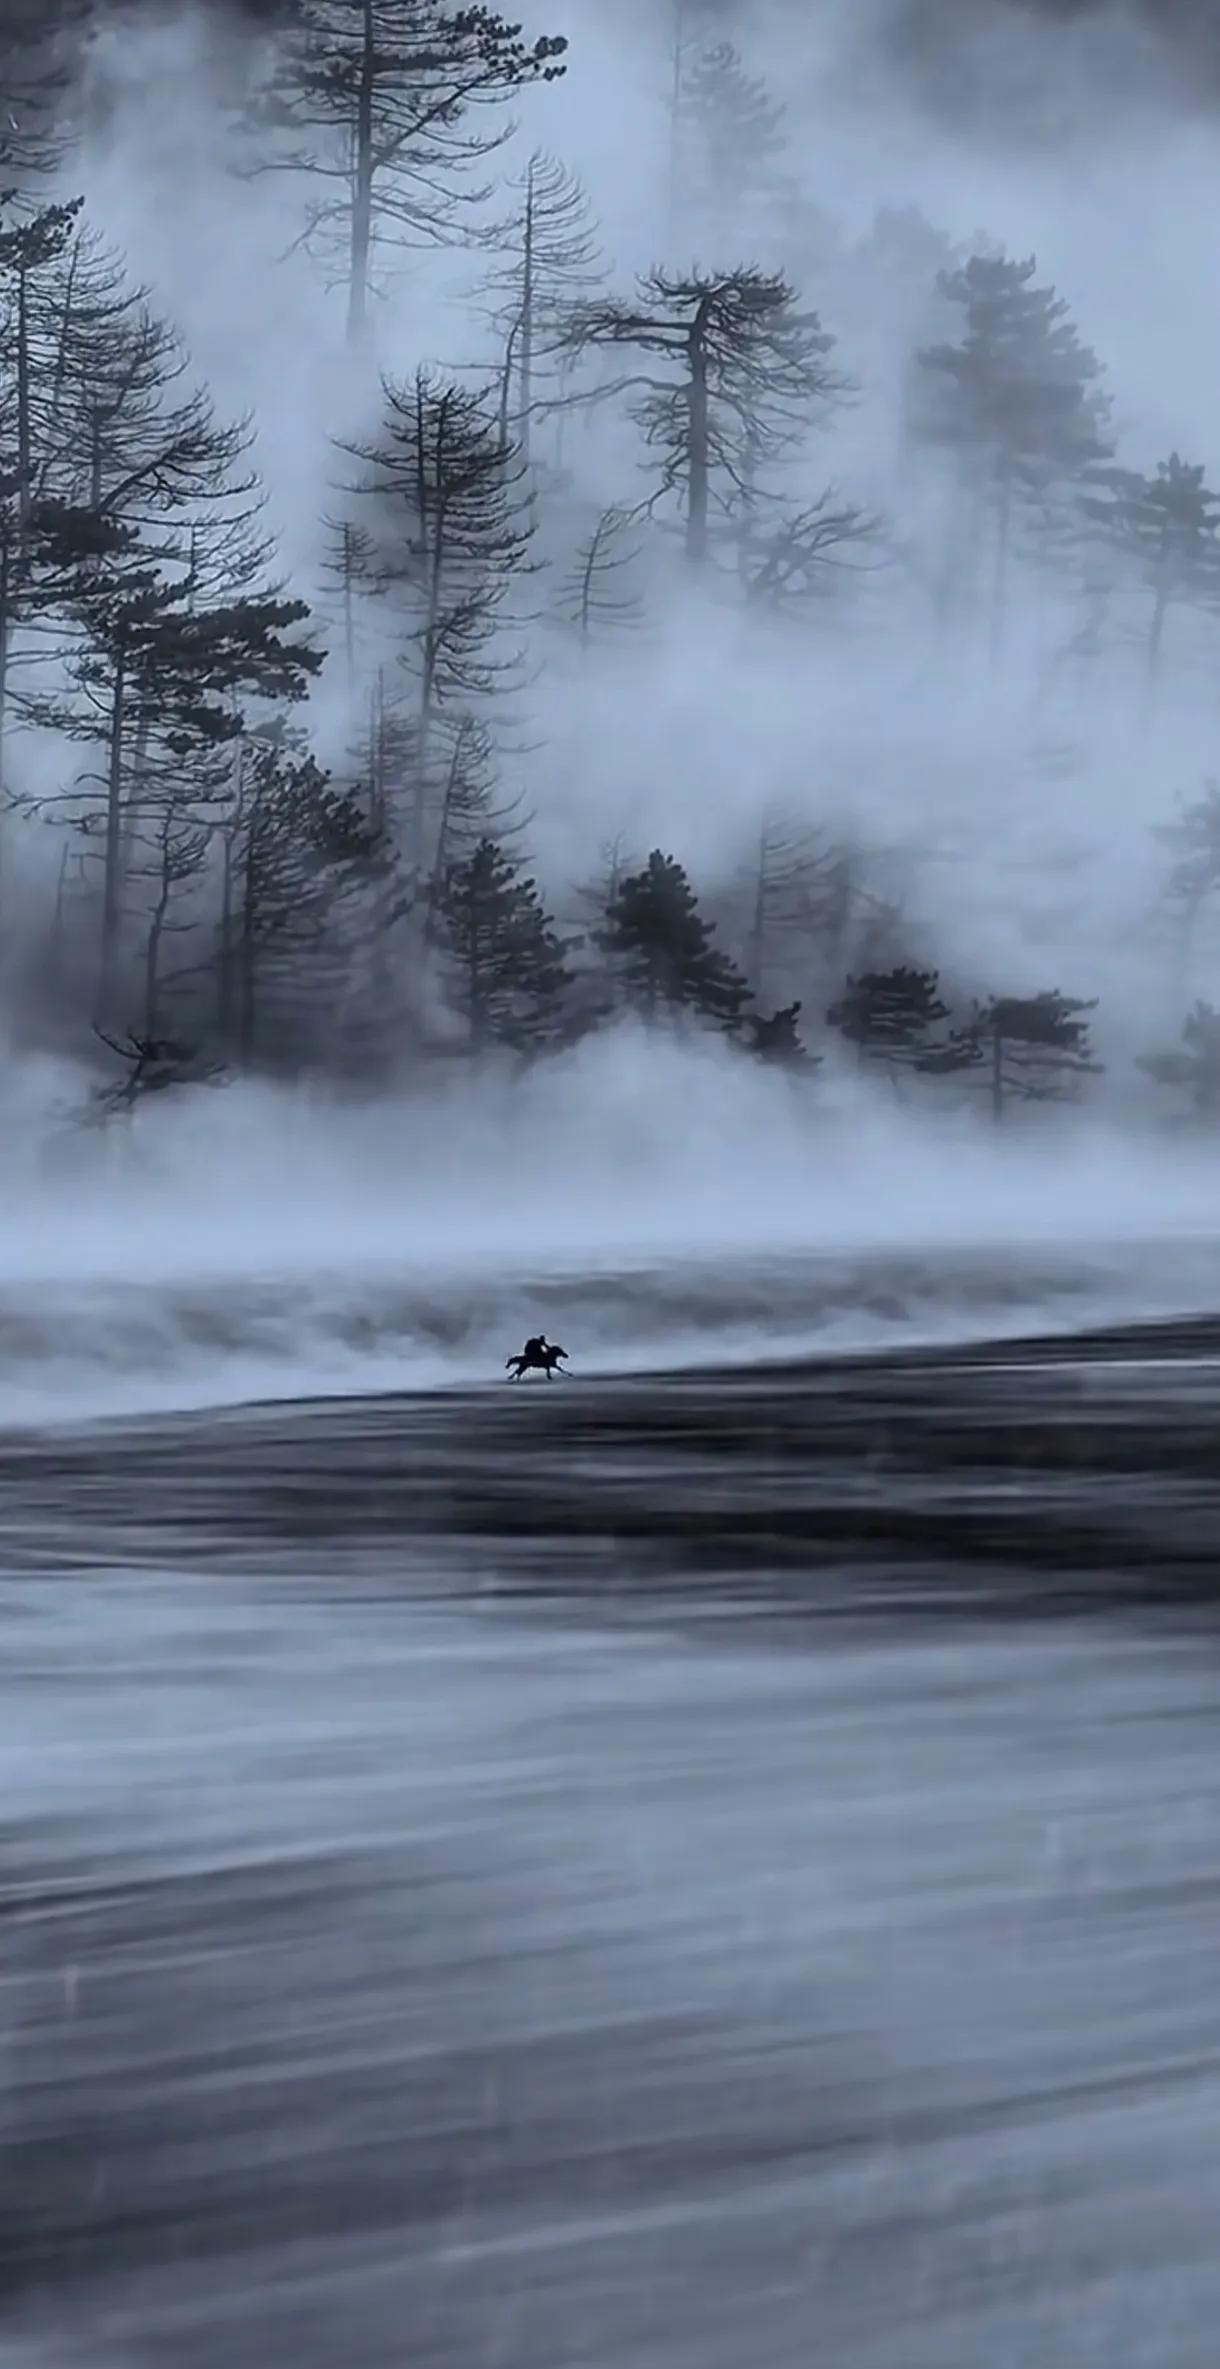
(377, 104)
(1017, 399)
(662, 949)
(504, 968)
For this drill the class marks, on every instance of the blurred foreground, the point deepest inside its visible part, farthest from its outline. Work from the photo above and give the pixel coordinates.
(719, 1873)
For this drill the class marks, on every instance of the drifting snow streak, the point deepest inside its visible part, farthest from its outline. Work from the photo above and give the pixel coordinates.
(109, 1345)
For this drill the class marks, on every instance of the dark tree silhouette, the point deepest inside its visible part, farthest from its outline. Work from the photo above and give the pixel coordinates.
(1037, 1046)
(505, 971)
(662, 948)
(154, 664)
(799, 558)
(126, 500)
(154, 1065)
(893, 1017)
(552, 261)
(377, 102)
(346, 568)
(294, 849)
(776, 1039)
(748, 376)
(596, 593)
(449, 539)
(170, 853)
(97, 399)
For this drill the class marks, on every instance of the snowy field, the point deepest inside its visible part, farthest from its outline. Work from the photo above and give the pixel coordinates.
(404, 1965)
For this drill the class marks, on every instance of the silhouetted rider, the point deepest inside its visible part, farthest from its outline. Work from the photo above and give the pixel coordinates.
(535, 1348)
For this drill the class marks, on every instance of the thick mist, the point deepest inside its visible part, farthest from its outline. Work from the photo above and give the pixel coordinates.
(976, 758)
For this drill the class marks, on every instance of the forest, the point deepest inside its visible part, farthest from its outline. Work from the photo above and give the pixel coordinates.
(319, 814)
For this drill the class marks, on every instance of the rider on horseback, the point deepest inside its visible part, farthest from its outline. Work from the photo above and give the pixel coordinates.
(538, 1356)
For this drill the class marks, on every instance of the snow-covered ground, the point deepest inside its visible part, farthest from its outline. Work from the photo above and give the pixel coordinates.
(395, 1984)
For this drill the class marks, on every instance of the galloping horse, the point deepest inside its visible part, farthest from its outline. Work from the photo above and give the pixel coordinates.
(538, 1356)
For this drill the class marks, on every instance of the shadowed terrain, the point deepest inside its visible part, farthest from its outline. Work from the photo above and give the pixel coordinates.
(464, 1902)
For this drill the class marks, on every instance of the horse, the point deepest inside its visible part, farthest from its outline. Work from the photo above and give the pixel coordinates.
(541, 1357)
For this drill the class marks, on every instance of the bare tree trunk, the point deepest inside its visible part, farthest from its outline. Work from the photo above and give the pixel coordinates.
(384, 901)
(25, 460)
(527, 321)
(156, 927)
(248, 950)
(58, 915)
(224, 980)
(131, 803)
(111, 902)
(6, 563)
(349, 616)
(504, 417)
(362, 186)
(698, 428)
(749, 495)
(474, 989)
(437, 877)
(587, 580)
(758, 928)
(436, 568)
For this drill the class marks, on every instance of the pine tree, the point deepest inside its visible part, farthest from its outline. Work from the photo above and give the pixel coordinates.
(114, 473)
(1038, 1046)
(749, 374)
(95, 395)
(803, 556)
(39, 57)
(894, 305)
(1017, 397)
(893, 1018)
(32, 244)
(690, 28)
(597, 593)
(1169, 526)
(552, 261)
(345, 569)
(732, 146)
(375, 102)
(776, 1039)
(505, 973)
(294, 849)
(782, 899)
(662, 949)
(154, 665)
(449, 539)
(170, 853)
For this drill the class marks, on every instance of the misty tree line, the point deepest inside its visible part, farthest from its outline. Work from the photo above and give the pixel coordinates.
(221, 899)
